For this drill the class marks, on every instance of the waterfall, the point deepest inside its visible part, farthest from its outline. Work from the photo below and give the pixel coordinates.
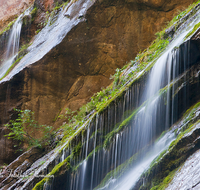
(107, 153)
(108, 158)
(13, 44)
(119, 162)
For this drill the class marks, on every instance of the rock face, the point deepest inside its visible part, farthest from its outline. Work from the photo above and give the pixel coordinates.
(111, 33)
(188, 176)
(10, 9)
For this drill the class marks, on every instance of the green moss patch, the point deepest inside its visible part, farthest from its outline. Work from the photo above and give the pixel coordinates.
(11, 67)
(165, 182)
(59, 169)
(8, 27)
(193, 30)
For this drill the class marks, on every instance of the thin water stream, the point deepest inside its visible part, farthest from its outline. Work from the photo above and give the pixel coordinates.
(53, 33)
(13, 44)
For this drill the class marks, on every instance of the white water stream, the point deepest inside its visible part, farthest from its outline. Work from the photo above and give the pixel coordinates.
(129, 179)
(13, 44)
(147, 116)
(53, 33)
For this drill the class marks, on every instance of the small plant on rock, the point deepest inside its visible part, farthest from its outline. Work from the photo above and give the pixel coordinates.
(24, 128)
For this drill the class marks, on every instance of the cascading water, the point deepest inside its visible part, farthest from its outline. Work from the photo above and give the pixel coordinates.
(153, 117)
(13, 44)
(103, 157)
(58, 28)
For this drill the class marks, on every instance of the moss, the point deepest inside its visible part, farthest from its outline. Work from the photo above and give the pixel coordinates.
(118, 171)
(162, 134)
(8, 26)
(156, 160)
(179, 137)
(59, 166)
(33, 13)
(11, 67)
(165, 182)
(126, 121)
(119, 127)
(78, 131)
(22, 52)
(103, 99)
(77, 149)
(56, 170)
(92, 152)
(189, 114)
(89, 156)
(40, 185)
(167, 167)
(193, 30)
(154, 50)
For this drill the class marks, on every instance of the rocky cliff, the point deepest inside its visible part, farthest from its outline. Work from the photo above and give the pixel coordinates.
(107, 35)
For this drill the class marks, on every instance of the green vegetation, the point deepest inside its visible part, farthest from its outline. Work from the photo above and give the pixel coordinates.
(42, 162)
(50, 16)
(24, 128)
(176, 21)
(156, 160)
(33, 13)
(165, 182)
(102, 99)
(176, 154)
(74, 168)
(65, 165)
(118, 128)
(193, 30)
(22, 52)
(121, 169)
(8, 26)
(189, 115)
(10, 68)
(76, 150)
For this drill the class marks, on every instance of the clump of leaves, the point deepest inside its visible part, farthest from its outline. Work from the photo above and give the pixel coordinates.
(24, 128)
(116, 77)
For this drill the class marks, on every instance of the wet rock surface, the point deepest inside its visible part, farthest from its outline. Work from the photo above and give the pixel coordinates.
(187, 177)
(19, 166)
(177, 156)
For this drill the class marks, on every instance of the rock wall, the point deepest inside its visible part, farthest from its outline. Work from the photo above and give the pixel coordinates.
(10, 9)
(112, 34)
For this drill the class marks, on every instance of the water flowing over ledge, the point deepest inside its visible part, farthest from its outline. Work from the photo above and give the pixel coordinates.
(105, 146)
(51, 35)
(13, 44)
